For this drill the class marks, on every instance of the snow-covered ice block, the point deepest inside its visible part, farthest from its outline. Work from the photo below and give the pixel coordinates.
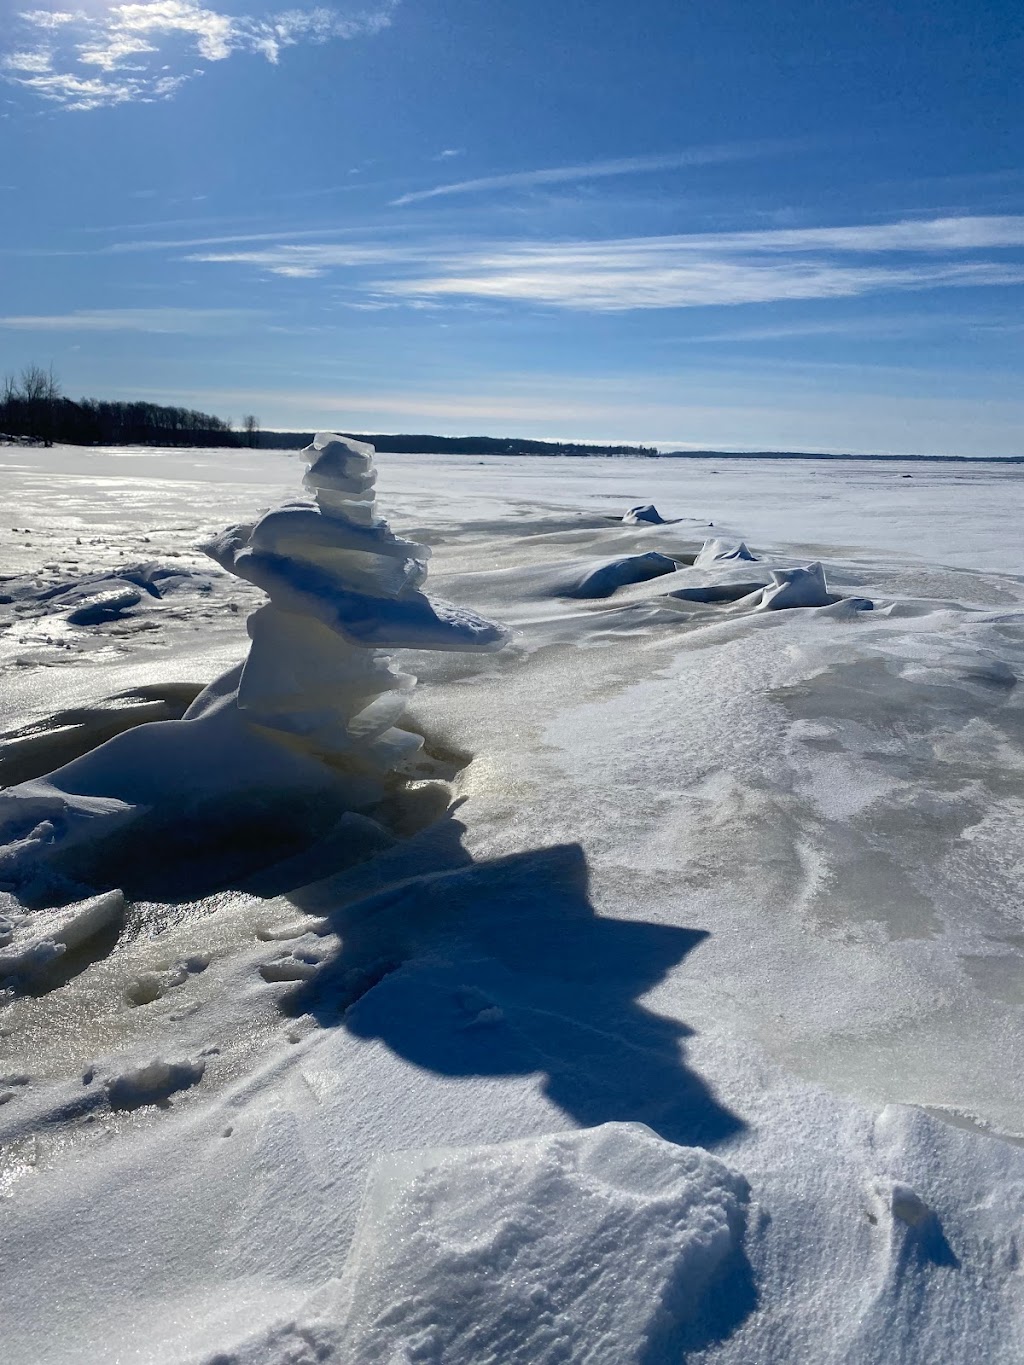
(716, 551)
(590, 1245)
(603, 580)
(644, 514)
(804, 587)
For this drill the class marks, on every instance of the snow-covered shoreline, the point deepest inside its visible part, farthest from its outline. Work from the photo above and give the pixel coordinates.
(749, 879)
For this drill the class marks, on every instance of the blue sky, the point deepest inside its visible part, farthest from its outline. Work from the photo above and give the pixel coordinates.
(744, 224)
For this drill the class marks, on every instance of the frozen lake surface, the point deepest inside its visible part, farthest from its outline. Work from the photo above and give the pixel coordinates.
(748, 877)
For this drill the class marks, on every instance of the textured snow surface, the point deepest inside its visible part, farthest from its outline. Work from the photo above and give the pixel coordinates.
(487, 1263)
(677, 1013)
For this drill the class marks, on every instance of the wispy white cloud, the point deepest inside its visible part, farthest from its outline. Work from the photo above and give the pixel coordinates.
(30, 61)
(598, 170)
(875, 327)
(309, 261)
(169, 320)
(87, 60)
(45, 18)
(616, 282)
(696, 270)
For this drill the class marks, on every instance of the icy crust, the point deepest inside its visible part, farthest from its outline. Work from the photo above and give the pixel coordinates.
(312, 712)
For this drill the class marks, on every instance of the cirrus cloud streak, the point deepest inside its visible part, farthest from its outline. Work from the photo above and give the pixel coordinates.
(684, 271)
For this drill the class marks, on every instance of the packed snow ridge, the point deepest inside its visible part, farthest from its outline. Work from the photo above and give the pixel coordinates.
(310, 713)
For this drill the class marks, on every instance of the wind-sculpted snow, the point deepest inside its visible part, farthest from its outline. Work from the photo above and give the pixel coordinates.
(796, 588)
(310, 716)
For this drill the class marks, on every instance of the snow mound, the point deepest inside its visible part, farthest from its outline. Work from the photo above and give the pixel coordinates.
(591, 1245)
(605, 578)
(714, 552)
(644, 514)
(789, 588)
(341, 586)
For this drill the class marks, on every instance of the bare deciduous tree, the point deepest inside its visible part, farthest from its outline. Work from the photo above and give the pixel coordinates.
(251, 427)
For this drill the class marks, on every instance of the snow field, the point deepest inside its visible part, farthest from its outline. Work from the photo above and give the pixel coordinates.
(637, 1055)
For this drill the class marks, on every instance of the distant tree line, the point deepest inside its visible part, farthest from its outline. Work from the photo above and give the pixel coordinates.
(452, 445)
(33, 408)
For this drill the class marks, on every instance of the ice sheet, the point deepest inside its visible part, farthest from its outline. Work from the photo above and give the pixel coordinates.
(748, 878)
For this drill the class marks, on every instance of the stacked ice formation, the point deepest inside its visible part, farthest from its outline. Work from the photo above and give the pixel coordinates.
(342, 588)
(306, 721)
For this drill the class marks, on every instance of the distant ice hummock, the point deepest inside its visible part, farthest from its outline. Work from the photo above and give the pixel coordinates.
(311, 712)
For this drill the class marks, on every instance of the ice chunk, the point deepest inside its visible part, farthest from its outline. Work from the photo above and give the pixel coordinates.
(644, 513)
(595, 1245)
(714, 552)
